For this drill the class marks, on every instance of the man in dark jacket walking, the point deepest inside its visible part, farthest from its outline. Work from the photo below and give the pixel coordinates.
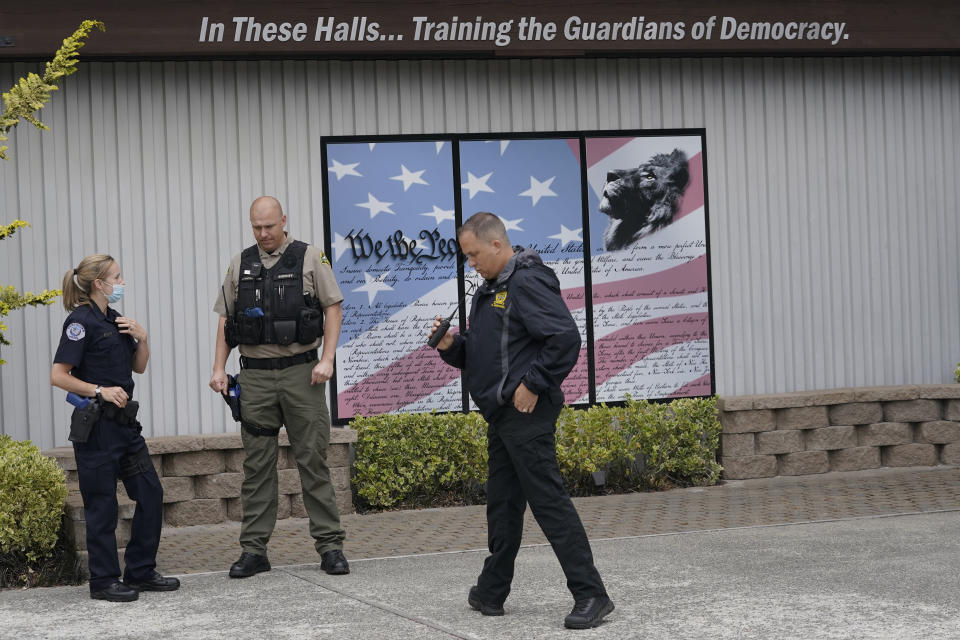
(520, 345)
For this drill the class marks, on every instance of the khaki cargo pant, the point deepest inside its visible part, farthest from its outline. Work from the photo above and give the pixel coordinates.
(269, 399)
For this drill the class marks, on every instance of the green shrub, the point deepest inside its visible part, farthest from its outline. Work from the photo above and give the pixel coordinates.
(956, 373)
(640, 445)
(406, 456)
(32, 495)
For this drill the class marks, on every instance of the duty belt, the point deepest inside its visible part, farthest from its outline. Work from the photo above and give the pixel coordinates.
(277, 363)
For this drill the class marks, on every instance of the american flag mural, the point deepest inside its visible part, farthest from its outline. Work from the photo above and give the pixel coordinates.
(392, 215)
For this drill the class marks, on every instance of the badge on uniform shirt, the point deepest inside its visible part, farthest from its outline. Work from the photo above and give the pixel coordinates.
(76, 331)
(500, 299)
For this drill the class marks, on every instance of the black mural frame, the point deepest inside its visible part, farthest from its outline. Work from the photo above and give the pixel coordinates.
(455, 141)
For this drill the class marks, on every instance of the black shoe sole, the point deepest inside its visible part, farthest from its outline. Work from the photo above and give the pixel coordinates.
(107, 598)
(144, 587)
(333, 571)
(589, 624)
(477, 605)
(247, 574)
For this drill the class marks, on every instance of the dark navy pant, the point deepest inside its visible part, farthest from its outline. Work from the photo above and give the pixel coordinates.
(523, 469)
(117, 452)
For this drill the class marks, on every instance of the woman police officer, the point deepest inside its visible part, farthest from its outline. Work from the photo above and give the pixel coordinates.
(99, 351)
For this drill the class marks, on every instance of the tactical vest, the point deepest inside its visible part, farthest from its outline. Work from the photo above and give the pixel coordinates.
(271, 306)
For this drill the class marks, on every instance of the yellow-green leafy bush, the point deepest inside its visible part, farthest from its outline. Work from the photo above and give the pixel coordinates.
(405, 456)
(32, 495)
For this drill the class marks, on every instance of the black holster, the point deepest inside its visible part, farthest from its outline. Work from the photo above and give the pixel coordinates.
(83, 420)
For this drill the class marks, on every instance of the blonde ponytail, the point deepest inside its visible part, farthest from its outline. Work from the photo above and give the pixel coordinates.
(78, 282)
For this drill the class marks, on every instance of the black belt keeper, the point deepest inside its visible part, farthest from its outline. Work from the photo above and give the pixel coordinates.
(277, 363)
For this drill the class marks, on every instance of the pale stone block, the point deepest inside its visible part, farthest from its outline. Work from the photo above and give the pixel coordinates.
(235, 509)
(950, 453)
(738, 445)
(297, 510)
(182, 514)
(829, 438)
(342, 435)
(283, 507)
(233, 460)
(804, 463)
(338, 456)
(288, 481)
(885, 394)
(802, 418)
(911, 411)
(939, 391)
(195, 463)
(219, 485)
(174, 444)
(909, 455)
(340, 478)
(855, 459)
(344, 502)
(177, 488)
(884, 434)
(748, 421)
(749, 467)
(735, 403)
(772, 442)
(952, 410)
(938, 432)
(856, 413)
(231, 440)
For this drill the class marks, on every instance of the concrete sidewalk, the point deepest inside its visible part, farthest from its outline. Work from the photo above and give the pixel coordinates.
(868, 555)
(878, 577)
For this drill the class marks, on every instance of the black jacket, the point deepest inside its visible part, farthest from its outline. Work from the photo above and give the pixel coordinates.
(519, 330)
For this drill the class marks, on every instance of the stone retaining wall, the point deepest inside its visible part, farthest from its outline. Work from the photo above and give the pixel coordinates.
(201, 478)
(839, 430)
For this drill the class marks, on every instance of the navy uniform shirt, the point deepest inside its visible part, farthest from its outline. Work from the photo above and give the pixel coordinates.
(97, 351)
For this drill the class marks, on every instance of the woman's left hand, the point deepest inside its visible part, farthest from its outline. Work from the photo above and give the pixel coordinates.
(132, 328)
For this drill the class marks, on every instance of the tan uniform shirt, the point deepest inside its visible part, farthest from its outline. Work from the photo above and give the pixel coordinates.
(318, 280)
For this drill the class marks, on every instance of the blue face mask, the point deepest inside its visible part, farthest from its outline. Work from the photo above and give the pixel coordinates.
(116, 295)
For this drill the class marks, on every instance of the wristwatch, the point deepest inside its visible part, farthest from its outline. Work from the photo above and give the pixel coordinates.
(98, 390)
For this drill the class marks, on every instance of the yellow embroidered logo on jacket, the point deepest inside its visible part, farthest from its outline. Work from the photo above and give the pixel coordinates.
(500, 299)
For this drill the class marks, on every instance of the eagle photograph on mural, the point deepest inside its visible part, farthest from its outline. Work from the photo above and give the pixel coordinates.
(643, 199)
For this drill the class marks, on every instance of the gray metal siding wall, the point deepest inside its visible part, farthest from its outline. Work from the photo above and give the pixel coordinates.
(832, 188)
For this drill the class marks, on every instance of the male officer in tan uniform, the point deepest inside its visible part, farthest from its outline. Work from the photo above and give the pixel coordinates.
(278, 298)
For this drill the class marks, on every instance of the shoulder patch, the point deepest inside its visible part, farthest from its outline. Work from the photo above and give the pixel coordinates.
(323, 259)
(76, 331)
(500, 300)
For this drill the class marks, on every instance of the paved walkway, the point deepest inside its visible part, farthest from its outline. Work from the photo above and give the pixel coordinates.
(869, 555)
(743, 503)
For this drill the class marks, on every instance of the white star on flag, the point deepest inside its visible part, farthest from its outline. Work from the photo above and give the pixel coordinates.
(566, 236)
(475, 184)
(373, 286)
(439, 214)
(539, 189)
(344, 169)
(511, 224)
(408, 177)
(503, 144)
(339, 245)
(372, 145)
(375, 206)
(440, 144)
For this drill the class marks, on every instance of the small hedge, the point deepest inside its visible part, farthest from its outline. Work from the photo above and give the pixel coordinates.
(430, 459)
(35, 548)
(421, 457)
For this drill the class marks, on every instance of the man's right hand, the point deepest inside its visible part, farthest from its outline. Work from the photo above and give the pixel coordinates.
(218, 381)
(446, 341)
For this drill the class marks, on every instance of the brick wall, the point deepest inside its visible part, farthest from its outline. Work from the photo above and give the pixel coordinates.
(201, 478)
(839, 430)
